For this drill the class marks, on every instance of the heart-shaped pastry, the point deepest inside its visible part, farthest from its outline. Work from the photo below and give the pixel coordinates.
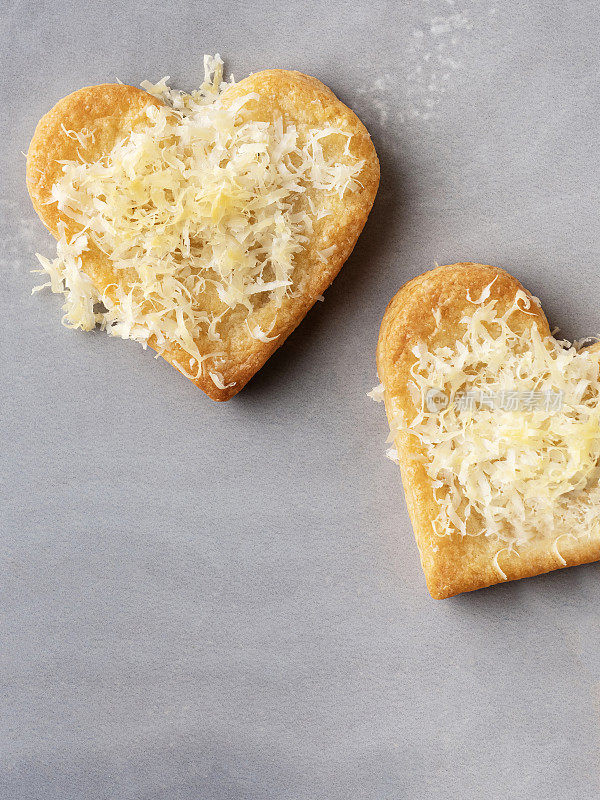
(203, 225)
(496, 427)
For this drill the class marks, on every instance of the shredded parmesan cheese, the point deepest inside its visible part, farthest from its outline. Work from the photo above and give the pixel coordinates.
(497, 566)
(218, 380)
(200, 211)
(509, 471)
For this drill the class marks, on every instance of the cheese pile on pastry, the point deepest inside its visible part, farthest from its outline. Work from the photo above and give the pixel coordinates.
(497, 429)
(516, 449)
(214, 220)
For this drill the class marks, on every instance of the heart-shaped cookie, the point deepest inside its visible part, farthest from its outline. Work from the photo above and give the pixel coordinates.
(496, 427)
(203, 225)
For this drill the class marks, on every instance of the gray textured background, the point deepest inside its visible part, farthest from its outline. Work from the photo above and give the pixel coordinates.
(204, 601)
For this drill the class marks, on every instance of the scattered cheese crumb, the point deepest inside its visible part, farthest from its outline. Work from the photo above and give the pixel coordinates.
(376, 393)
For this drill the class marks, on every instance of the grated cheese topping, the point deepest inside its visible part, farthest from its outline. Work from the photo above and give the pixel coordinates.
(202, 213)
(511, 471)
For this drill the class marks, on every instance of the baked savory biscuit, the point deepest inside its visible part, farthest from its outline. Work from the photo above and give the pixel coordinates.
(205, 225)
(496, 429)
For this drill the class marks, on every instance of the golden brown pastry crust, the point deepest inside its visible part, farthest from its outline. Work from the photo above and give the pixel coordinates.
(454, 564)
(111, 110)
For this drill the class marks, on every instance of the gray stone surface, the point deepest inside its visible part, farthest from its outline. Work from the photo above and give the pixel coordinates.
(217, 602)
